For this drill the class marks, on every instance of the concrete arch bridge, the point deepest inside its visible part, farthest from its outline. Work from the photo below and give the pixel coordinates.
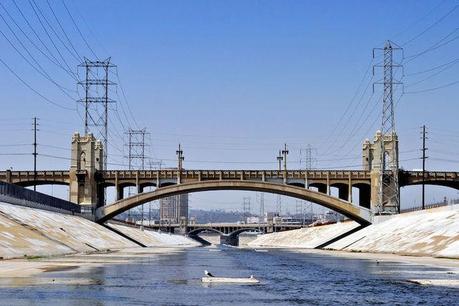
(358, 213)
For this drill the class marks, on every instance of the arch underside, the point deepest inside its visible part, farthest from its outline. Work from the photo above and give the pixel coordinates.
(197, 231)
(356, 213)
(452, 184)
(233, 233)
(40, 183)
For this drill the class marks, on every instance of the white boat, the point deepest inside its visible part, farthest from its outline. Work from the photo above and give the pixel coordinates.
(239, 280)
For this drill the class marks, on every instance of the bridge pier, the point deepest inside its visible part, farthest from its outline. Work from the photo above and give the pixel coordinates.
(232, 240)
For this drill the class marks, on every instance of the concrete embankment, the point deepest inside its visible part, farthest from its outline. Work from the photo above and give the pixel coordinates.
(433, 232)
(33, 232)
(151, 238)
(309, 237)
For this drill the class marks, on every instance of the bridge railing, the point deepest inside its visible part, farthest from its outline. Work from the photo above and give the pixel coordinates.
(11, 193)
(432, 205)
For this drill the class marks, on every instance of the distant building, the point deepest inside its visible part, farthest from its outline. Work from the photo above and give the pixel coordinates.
(252, 220)
(174, 209)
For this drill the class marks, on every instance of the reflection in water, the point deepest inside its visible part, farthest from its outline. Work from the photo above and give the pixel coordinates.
(286, 278)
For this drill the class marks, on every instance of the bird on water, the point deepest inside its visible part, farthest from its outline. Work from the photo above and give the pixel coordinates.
(207, 273)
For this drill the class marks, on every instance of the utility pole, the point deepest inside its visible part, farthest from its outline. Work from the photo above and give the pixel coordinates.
(424, 157)
(285, 153)
(180, 158)
(389, 191)
(35, 129)
(93, 84)
(278, 198)
(136, 154)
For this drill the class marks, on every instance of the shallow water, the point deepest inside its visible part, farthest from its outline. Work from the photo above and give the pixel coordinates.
(287, 278)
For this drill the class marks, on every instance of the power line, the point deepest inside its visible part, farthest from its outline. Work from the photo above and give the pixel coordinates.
(78, 30)
(37, 67)
(63, 31)
(52, 60)
(32, 89)
(46, 32)
(433, 47)
(75, 56)
(433, 88)
(450, 63)
(43, 44)
(431, 26)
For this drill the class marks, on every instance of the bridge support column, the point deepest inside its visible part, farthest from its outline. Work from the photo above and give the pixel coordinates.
(8, 176)
(232, 240)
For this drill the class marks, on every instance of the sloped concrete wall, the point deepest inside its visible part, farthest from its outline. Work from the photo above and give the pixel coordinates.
(309, 237)
(19, 241)
(74, 232)
(432, 232)
(151, 238)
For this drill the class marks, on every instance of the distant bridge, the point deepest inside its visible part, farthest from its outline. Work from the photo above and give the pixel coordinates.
(228, 232)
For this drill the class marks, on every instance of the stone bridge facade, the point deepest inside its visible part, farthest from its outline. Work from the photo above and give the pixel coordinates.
(88, 180)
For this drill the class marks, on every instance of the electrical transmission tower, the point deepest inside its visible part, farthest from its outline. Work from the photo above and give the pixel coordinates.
(246, 208)
(136, 153)
(261, 201)
(136, 148)
(389, 192)
(307, 157)
(96, 85)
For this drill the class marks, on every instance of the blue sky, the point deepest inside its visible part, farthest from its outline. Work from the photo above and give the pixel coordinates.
(233, 80)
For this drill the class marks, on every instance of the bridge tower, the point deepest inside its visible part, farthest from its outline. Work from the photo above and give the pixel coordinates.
(87, 159)
(382, 147)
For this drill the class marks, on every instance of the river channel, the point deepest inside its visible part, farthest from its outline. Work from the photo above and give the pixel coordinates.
(287, 278)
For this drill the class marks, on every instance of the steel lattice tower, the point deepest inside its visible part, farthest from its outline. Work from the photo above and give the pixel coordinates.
(92, 83)
(389, 192)
(136, 148)
(246, 207)
(136, 153)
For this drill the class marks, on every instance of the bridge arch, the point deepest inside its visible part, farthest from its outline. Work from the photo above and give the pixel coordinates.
(242, 230)
(41, 182)
(197, 231)
(358, 214)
